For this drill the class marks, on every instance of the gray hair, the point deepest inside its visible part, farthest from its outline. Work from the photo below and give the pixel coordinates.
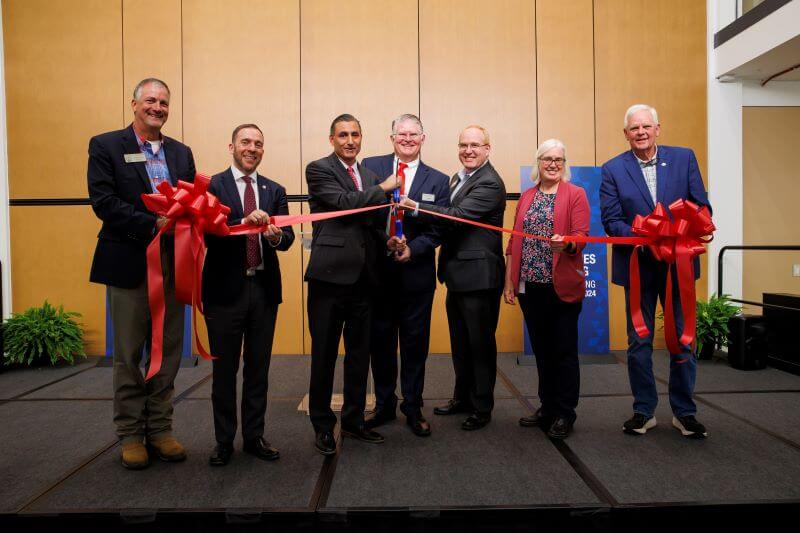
(137, 91)
(640, 107)
(545, 147)
(407, 117)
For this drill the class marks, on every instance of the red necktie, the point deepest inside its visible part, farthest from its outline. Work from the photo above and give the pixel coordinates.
(353, 177)
(253, 252)
(398, 213)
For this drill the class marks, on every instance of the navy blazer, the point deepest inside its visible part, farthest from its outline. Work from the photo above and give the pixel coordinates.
(624, 194)
(115, 189)
(418, 274)
(226, 260)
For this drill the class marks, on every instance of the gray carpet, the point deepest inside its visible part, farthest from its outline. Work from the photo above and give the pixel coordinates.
(502, 464)
(596, 378)
(736, 462)
(244, 483)
(43, 440)
(776, 412)
(20, 380)
(718, 375)
(98, 383)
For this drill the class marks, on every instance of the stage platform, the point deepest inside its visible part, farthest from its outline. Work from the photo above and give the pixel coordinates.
(60, 466)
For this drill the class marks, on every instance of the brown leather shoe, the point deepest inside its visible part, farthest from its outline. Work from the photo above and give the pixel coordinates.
(168, 449)
(134, 456)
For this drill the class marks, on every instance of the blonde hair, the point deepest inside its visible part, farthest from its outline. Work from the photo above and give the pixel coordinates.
(483, 130)
(545, 147)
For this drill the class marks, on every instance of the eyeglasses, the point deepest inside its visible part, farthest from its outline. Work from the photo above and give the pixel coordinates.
(559, 161)
(410, 136)
(462, 147)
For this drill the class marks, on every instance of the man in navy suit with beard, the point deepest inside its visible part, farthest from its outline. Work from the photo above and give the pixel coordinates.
(402, 307)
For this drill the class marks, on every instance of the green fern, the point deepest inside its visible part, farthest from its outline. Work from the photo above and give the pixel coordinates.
(43, 333)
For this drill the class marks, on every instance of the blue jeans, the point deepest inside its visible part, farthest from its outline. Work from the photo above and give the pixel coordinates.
(640, 356)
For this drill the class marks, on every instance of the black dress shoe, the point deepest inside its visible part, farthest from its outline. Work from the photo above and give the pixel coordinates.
(475, 421)
(537, 419)
(419, 426)
(363, 434)
(380, 417)
(261, 449)
(325, 443)
(222, 455)
(560, 429)
(452, 407)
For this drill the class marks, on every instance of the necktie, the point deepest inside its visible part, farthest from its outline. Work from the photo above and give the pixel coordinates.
(353, 177)
(253, 259)
(455, 184)
(397, 214)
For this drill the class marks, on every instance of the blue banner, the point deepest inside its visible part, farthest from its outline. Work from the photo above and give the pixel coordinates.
(593, 321)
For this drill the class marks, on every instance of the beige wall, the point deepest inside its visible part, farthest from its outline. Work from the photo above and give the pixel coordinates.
(771, 136)
(527, 70)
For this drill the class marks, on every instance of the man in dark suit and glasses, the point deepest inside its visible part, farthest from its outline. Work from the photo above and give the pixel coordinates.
(341, 277)
(241, 294)
(471, 266)
(123, 165)
(401, 309)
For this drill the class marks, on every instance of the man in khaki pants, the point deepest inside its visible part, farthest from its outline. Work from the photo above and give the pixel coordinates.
(123, 165)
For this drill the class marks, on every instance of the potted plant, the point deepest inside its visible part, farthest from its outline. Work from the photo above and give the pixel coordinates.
(42, 335)
(712, 324)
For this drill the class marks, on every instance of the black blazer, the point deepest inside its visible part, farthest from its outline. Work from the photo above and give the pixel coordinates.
(342, 248)
(115, 189)
(471, 258)
(226, 259)
(419, 274)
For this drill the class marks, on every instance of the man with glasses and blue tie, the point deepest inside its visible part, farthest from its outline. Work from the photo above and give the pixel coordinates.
(633, 183)
(472, 267)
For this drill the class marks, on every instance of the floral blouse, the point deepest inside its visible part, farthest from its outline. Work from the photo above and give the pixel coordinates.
(537, 256)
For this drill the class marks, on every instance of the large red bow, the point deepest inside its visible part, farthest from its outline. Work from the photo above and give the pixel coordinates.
(192, 211)
(675, 240)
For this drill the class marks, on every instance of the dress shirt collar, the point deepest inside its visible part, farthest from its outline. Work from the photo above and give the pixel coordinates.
(411, 166)
(649, 162)
(238, 174)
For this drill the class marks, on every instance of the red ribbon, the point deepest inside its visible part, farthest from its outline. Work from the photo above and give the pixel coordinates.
(675, 240)
(192, 211)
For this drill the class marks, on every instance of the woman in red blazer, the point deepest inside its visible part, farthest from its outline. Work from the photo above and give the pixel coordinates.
(548, 278)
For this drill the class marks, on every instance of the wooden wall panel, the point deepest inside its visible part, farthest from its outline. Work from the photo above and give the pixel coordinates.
(565, 76)
(152, 49)
(478, 66)
(241, 65)
(653, 52)
(365, 64)
(769, 142)
(53, 264)
(63, 85)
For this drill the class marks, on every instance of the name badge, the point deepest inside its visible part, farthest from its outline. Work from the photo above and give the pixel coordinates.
(135, 158)
(428, 197)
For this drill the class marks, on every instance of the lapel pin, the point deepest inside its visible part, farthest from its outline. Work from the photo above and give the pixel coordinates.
(663, 164)
(263, 186)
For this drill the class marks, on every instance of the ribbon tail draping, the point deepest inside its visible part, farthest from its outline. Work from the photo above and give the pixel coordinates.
(155, 299)
(635, 295)
(670, 328)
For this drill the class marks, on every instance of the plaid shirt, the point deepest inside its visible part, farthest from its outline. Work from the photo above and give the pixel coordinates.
(649, 173)
(155, 163)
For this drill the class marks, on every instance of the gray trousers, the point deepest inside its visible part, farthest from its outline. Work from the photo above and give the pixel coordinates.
(144, 409)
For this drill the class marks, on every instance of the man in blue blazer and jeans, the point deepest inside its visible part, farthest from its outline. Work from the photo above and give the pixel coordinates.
(402, 306)
(633, 183)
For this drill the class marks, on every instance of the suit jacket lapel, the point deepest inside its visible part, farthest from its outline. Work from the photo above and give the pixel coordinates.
(341, 173)
(131, 146)
(663, 168)
(635, 172)
(419, 180)
(473, 179)
(232, 192)
(264, 196)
